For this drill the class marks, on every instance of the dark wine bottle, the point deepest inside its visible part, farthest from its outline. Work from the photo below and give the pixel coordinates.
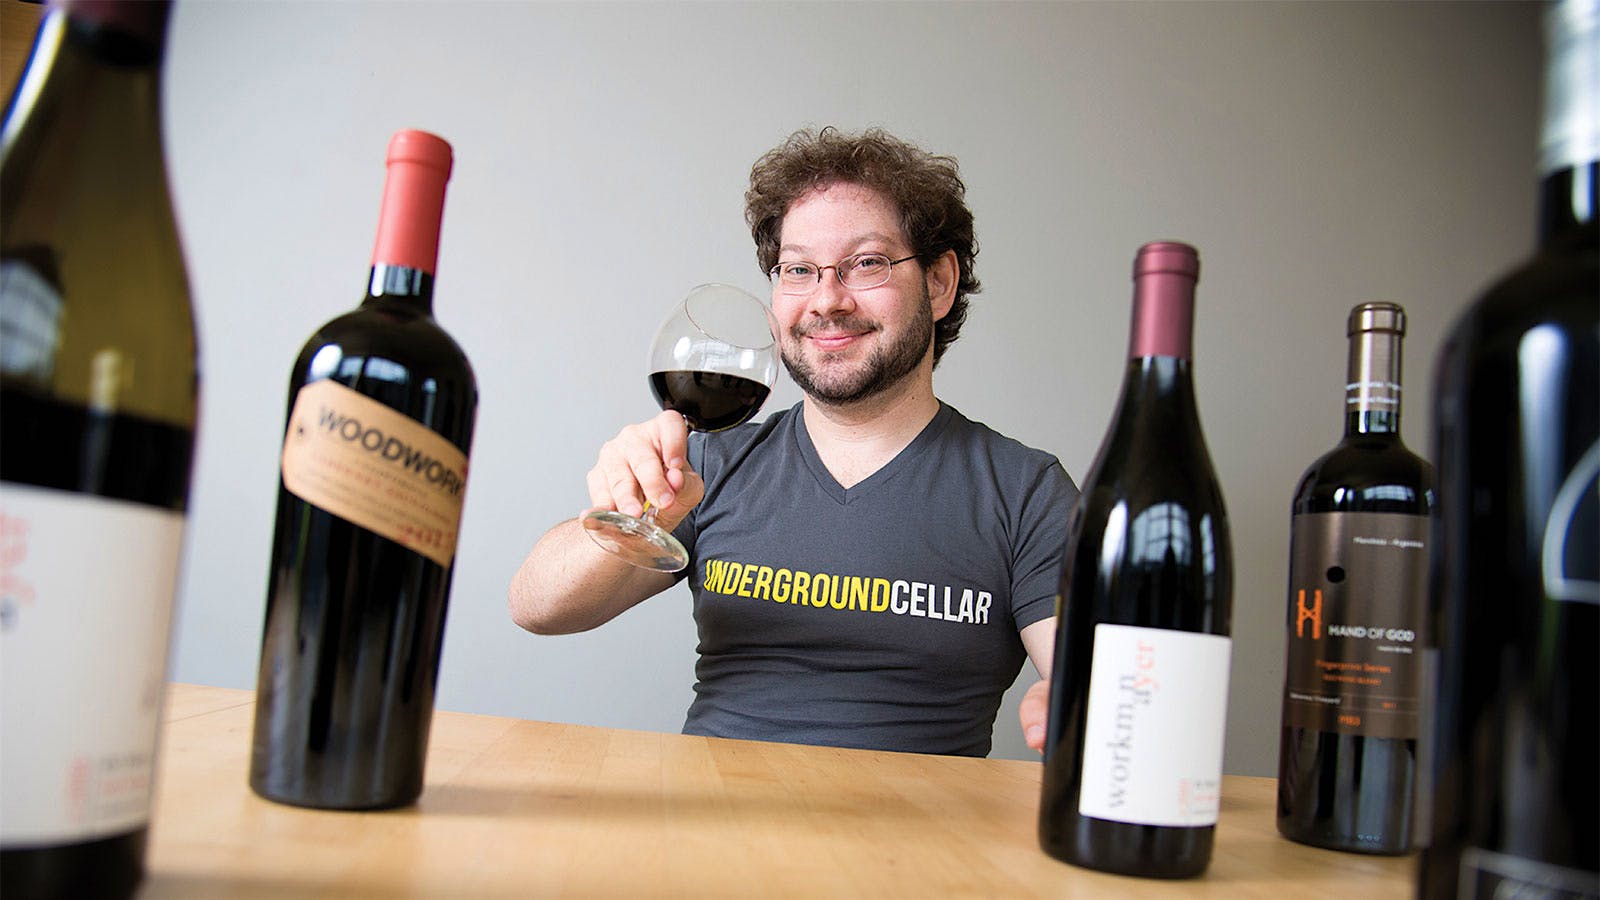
(1358, 568)
(382, 404)
(1139, 691)
(1515, 590)
(98, 389)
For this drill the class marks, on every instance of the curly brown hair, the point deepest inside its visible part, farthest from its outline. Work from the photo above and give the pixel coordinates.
(926, 190)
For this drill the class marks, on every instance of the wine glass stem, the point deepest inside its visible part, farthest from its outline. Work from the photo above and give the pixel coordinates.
(649, 514)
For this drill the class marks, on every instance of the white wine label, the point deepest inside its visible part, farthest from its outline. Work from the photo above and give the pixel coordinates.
(1357, 600)
(377, 467)
(91, 580)
(1152, 747)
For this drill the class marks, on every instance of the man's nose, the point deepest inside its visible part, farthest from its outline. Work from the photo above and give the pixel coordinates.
(831, 296)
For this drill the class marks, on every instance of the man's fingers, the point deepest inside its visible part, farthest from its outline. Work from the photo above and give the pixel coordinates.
(672, 437)
(644, 463)
(618, 480)
(650, 477)
(1034, 712)
(599, 491)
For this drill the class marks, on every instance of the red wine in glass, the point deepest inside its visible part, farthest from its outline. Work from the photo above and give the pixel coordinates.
(709, 401)
(713, 361)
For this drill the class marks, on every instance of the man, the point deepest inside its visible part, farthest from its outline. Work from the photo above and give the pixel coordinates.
(869, 567)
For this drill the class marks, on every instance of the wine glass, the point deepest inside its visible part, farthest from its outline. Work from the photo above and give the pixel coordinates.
(713, 361)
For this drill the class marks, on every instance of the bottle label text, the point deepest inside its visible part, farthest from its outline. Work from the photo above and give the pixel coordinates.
(375, 466)
(1152, 748)
(1357, 595)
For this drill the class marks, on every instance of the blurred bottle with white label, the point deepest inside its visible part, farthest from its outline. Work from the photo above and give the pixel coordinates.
(98, 391)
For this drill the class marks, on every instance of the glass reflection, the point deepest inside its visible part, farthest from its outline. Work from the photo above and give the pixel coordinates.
(1159, 534)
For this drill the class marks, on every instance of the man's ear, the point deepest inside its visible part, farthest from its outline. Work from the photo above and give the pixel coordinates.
(941, 277)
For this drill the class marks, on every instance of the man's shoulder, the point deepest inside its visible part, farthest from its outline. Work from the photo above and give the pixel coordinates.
(744, 439)
(978, 436)
(1014, 468)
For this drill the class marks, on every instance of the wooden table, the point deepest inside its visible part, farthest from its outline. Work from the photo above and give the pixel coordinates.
(516, 808)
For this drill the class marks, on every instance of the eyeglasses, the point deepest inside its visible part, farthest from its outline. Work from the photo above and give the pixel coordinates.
(864, 270)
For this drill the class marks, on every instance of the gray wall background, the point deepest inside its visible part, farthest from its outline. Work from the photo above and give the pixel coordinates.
(1318, 154)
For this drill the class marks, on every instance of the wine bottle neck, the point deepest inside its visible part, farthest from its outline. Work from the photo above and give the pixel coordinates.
(1165, 376)
(1372, 385)
(110, 68)
(1567, 202)
(1158, 398)
(84, 81)
(118, 32)
(412, 287)
(413, 203)
(1164, 277)
(1569, 139)
(1371, 422)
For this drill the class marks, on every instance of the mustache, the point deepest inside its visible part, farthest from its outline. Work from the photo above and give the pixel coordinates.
(855, 324)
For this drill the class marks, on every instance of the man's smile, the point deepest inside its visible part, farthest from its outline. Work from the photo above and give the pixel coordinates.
(834, 336)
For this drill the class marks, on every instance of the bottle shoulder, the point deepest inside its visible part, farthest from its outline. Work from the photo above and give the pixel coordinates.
(1367, 473)
(1556, 286)
(91, 265)
(403, 360)
(1138, 478)
(1154, 459)
(394, 331)
(98, 119)
(1155, 431)
(1544, 313)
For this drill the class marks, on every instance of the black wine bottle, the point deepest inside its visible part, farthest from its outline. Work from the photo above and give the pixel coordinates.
(382, 404)
(1515, 591)
(98, 390)
(1358, 567)
(1138, 695)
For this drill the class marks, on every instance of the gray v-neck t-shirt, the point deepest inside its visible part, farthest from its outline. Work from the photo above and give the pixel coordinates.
(884, 615)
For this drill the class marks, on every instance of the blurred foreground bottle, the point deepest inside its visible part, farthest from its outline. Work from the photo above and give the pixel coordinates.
(98, 390)
(1139, 693)
(1516, 586)
(381, 409)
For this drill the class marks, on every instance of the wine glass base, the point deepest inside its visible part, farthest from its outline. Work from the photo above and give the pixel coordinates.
(640, 543)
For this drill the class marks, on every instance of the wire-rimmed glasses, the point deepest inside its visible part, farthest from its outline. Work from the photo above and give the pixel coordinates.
(861, 271)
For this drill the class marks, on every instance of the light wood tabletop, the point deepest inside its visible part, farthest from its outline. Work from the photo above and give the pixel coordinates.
(516, 808)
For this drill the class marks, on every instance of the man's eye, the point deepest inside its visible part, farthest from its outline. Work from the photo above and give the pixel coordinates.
(869, 263)
(799, 270)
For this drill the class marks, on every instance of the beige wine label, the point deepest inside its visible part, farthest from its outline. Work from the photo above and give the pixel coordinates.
(379, 468)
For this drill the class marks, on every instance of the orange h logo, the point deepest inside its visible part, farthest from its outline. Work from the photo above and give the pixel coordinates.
(1314, 613)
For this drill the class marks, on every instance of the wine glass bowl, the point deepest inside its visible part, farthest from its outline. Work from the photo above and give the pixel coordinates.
(713, 361)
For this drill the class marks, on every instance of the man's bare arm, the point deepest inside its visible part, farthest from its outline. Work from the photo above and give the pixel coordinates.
(568, 584)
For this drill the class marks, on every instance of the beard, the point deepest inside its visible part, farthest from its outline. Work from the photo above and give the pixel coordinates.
(887, 364)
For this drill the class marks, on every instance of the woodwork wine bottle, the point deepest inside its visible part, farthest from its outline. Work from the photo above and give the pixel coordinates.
(1139, 691)
(98, 388)
(382, 404)
(1358, 569)
(1515, 593)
